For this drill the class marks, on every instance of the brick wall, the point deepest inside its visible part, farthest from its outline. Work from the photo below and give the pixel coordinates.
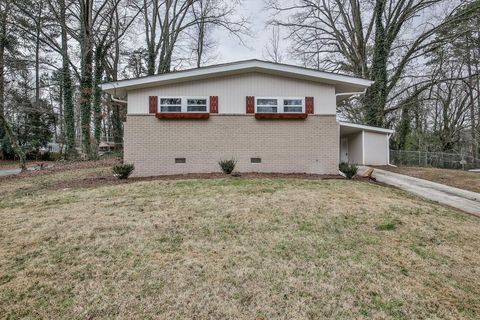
(309, 146)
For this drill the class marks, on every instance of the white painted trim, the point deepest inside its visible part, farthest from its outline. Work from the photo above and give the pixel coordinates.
(363, 147)
(280, 104)
(236, 67)
(364, 127)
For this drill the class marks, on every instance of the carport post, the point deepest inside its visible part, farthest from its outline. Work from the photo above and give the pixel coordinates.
(388, 148)
(363, 147)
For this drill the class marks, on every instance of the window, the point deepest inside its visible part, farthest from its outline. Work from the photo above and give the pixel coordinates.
(184, 104)
(170, 104)
(293, 105)
(196, 105)
(267, 105)
(279, 105)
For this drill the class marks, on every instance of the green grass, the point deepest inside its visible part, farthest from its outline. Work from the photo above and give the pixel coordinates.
(232, 249)
(387, 226)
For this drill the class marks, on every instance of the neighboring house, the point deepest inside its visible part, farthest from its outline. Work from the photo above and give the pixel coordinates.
(269, 117)
(53, 147)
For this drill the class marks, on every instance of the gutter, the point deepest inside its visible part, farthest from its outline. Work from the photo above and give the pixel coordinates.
(350, 93)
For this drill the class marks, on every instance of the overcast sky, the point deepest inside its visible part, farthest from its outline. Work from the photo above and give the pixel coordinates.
(229, 49)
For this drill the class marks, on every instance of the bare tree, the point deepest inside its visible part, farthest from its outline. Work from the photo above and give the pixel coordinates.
(7, 44)
(365, 39)
(272, 51)
(167, 22)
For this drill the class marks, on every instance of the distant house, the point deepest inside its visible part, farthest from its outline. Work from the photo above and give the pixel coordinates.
(269, 117)
(53, 147)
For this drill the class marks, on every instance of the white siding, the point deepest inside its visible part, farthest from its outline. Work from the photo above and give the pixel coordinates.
(355, 148)
(376, 148)
(232, 90)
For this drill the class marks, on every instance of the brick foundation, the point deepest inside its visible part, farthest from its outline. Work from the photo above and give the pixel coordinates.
(284, 146)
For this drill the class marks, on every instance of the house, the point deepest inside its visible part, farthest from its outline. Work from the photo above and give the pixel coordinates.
(269, 117)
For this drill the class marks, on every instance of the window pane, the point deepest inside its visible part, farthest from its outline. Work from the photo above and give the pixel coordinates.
(292, 102)
(171, 101)
(202, 102)
(171, 109)
(292, 109)
(266, 109)
(196, 105)
(197, 108)
(267, 102)
(292, 105)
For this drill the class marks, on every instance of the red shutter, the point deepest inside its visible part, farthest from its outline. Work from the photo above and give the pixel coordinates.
(309, 105)
(213, 104)
(250, 104)
(152, 104)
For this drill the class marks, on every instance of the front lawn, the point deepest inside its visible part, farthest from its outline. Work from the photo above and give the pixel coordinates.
(231, 249)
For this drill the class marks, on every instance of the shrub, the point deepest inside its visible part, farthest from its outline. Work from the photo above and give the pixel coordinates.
(350, 170)
(50, 156)
(123, 171)
(386, 226)
(227, 165)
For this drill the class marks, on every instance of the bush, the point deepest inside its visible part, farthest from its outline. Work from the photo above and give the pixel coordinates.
(386, 226)
(227, 165)
(50, 156)
(123, 171)
(350, 170)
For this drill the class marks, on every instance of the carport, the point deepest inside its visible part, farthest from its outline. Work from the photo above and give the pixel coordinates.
(364, 145)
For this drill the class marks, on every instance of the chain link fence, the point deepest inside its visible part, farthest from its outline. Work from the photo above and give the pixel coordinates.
(433, 159)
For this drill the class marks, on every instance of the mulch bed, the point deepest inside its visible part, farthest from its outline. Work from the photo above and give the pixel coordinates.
(109, 179)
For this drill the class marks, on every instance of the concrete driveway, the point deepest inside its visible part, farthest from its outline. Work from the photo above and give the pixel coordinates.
(9, 172)
(467, 201)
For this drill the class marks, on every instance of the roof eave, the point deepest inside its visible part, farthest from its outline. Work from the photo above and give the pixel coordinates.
(365, 127)
(236, 68)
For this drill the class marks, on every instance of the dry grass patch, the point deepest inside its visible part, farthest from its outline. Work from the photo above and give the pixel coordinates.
(233, 249)
(454, 178)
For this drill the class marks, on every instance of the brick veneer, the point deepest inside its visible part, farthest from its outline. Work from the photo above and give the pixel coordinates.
(306, 146)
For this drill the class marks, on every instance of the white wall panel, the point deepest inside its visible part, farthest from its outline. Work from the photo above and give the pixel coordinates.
(376, 148)
(232, 90)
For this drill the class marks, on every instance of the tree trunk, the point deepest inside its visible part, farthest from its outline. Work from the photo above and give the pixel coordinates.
(11, 135)
(473, 126)
(86, 82)
(201, 42)
(37, 55)
(376, 96)
(97, 99)
(68, 106)
(117, 127)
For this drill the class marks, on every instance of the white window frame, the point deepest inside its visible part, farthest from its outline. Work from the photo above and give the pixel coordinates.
(184, 106)
(293, 98)
(281, 106)
(256, 104)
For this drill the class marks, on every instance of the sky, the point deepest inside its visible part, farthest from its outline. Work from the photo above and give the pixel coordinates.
(229, 49)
